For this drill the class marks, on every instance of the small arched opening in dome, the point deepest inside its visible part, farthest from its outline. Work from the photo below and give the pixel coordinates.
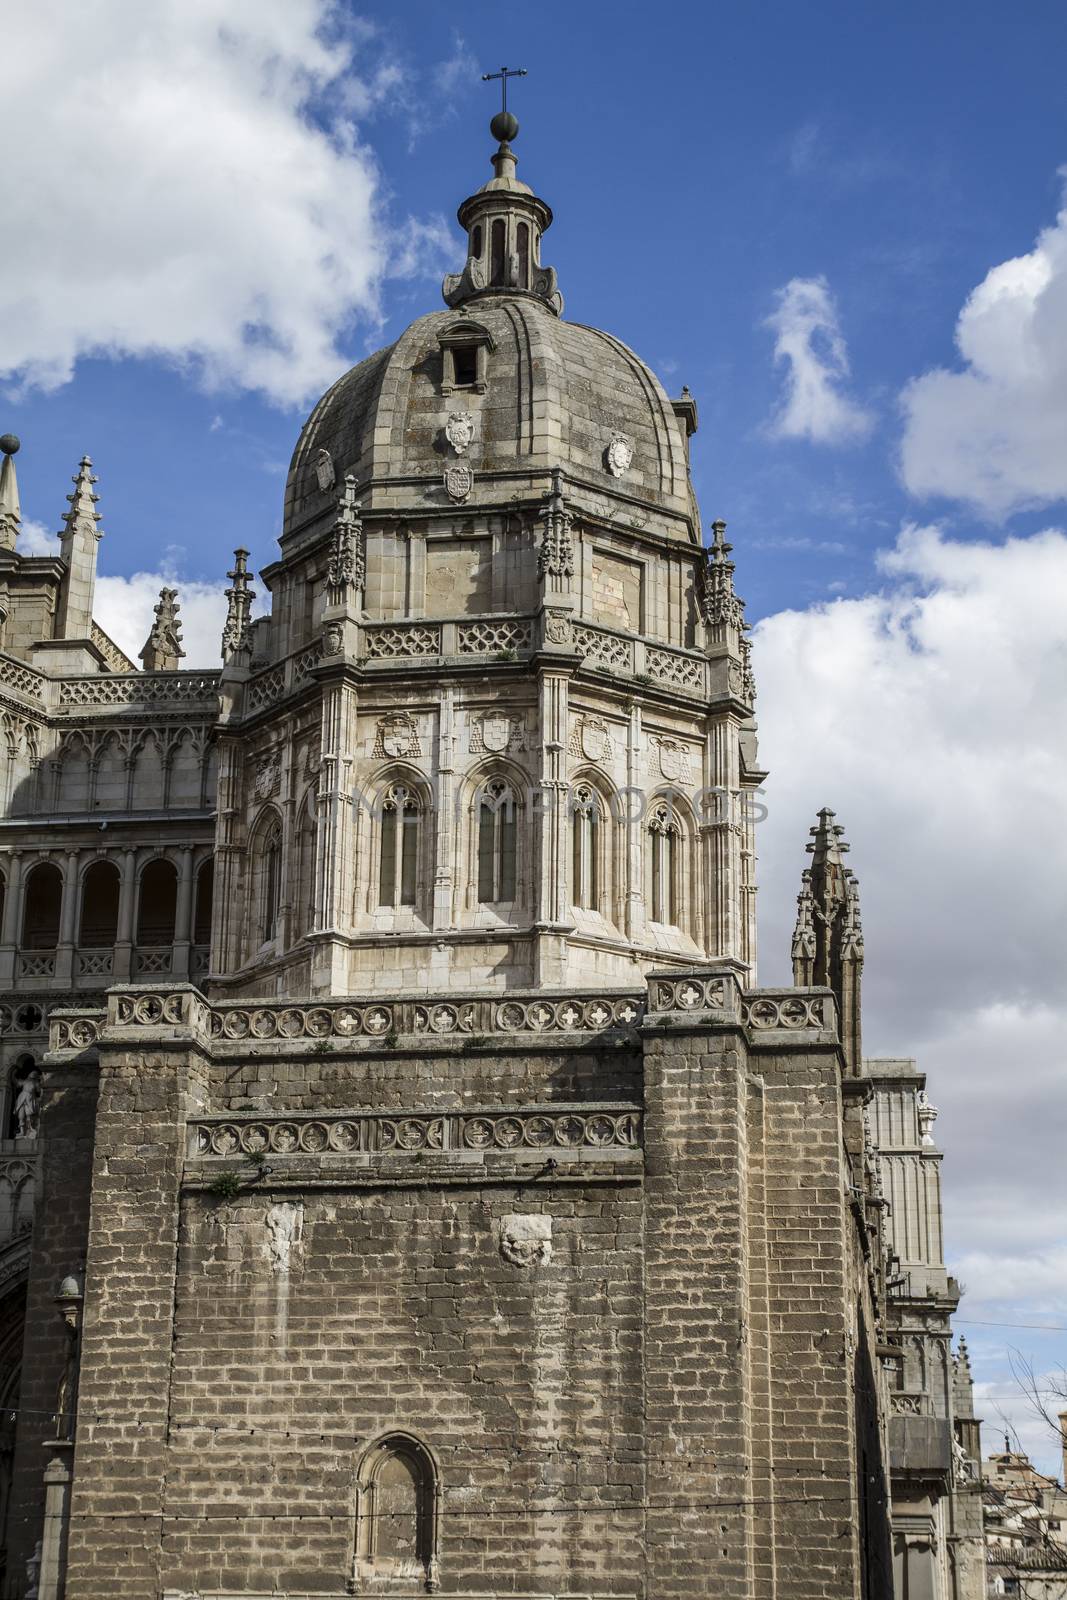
(465, 349)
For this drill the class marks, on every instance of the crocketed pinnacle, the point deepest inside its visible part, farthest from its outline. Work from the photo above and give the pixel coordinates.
(828, 937)
(239, 598)
(82, 518)
(346, 568)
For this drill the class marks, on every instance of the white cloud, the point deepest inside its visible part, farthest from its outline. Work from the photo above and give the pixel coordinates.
(808, 340)
(124, 607)
(194, 189)
(993, 434)
(931, 717)
(37, 540)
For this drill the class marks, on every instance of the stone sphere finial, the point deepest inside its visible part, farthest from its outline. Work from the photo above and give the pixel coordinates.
(10, 444)
(504, 126)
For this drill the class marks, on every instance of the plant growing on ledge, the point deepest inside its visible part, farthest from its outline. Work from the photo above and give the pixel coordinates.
(228, 1185)
(508, 654)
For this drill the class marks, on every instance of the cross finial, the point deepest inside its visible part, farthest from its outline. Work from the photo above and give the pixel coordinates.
(504, 74)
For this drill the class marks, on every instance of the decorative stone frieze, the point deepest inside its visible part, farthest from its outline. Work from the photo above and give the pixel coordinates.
(399, 640)
(607, 1127)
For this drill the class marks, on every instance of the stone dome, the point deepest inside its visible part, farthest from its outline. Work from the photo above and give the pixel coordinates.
(541, 394)
(554, 395)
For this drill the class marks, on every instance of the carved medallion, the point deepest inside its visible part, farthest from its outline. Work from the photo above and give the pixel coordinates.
(333, 640)
(459, 480)
(619, 454)
(397, 735)
(558, 628)
(459, 431)
(324, 470)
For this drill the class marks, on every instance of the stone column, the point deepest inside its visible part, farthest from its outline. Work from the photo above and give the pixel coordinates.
(9, 933)
(183, 916)
(68, 914)
(721, 840)
(57, 1480)
(334, 854)
(123, 961)
(549, 830)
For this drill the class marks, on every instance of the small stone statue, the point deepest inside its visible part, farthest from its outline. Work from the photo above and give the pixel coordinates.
(33, 1572)
(28, 1106)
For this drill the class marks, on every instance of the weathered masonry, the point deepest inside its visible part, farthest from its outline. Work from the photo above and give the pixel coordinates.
(405, 1185)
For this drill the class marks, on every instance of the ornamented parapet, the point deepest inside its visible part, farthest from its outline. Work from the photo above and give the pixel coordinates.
(694, 993)
(166, 1009)
(789, 1011)
(465, 1019)
(73, 1029)
(142, 688)
(610, 1128)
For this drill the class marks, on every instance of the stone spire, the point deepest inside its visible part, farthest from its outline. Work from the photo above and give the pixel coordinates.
(78, 541)
(10, 510)
(239, 597)
(828, 937)
(504, 223)
(163, 647)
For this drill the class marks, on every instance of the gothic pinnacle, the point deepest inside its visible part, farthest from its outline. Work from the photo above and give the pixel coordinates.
(239, 597)
(163, 647)
(10, 510)
(83, 515)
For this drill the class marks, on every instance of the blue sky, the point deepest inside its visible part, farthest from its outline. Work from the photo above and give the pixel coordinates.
(789, 208)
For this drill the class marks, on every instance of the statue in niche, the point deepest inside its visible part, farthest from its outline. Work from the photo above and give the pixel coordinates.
(28, 1106)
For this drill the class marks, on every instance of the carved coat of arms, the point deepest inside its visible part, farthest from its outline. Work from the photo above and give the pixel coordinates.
(558, 628)
(591, 739)
(397, 735)
(268, 776)
(673, 760)
(619, 454)
(324, 470)
(497, 731)
(459, 431)
(459, 480)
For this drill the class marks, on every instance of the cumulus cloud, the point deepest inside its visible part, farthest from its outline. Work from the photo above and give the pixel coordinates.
(195, 189)
(930, 716)
(123, 607)
(993, 434)
(809, 342)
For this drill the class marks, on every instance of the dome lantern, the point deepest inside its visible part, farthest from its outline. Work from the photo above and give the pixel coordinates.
(504, 222)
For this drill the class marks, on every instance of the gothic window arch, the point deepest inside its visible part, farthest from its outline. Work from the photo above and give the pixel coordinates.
(663, 849)
(398, 851)
(397, 1514)
(497, 811)
(306, 831)
(589, 828)
(266, 877)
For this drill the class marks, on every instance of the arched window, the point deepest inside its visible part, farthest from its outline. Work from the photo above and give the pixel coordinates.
(270, 881)
(585, 848)
(496, 248)
(40, 915)
(522, 246)
(497, 838)
(205, 890)
(476, 242)
(99, 923)
(305, 855)
(397, 1513)
(664, 860)
(157, 904)
(399, 866)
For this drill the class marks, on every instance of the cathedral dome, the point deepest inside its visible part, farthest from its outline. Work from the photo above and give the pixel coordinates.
(537, 393)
